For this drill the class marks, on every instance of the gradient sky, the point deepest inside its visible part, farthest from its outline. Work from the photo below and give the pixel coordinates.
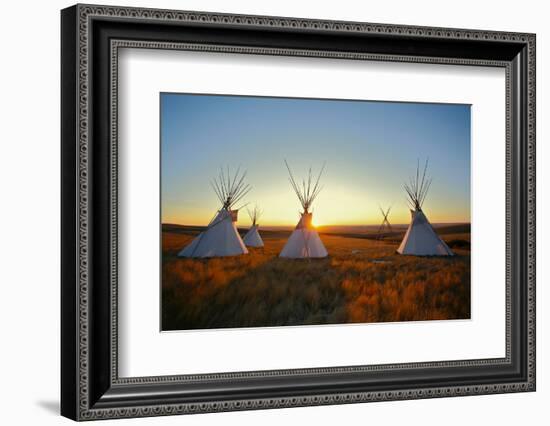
(371, 149)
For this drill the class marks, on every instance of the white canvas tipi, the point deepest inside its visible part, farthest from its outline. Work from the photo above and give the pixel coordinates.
(221, 237)
(252, 237)
(420, 238)
(304, 242)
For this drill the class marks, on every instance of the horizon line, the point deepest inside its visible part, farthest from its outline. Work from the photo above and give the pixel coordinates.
(333, 225)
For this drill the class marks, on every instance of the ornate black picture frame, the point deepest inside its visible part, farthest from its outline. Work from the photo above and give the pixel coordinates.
(91, 36)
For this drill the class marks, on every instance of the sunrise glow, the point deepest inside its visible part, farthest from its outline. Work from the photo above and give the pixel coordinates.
(370, 148)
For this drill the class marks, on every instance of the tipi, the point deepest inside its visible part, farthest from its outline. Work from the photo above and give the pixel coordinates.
(221, 237)
(304, 242)
(385, 222)
(420, 238)
(252, 237)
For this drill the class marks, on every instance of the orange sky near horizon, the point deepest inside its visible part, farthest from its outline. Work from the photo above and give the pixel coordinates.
(331, 208)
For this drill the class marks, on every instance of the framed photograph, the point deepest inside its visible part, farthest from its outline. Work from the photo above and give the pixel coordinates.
(263, 212)
(281, 265)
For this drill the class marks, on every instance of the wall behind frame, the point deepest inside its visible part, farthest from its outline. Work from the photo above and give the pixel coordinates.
(30, 226)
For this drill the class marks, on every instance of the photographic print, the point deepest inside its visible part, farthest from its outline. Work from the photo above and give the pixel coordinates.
(297, 212)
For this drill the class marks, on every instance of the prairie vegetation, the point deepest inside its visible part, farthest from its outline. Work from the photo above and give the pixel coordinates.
(362, 280)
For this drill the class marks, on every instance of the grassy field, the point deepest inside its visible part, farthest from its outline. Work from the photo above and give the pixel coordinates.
(362, 280)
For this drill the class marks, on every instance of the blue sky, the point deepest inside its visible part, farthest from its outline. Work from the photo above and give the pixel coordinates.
(371, 149)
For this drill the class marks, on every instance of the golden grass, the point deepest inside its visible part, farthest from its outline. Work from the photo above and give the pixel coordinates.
(362, 281)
